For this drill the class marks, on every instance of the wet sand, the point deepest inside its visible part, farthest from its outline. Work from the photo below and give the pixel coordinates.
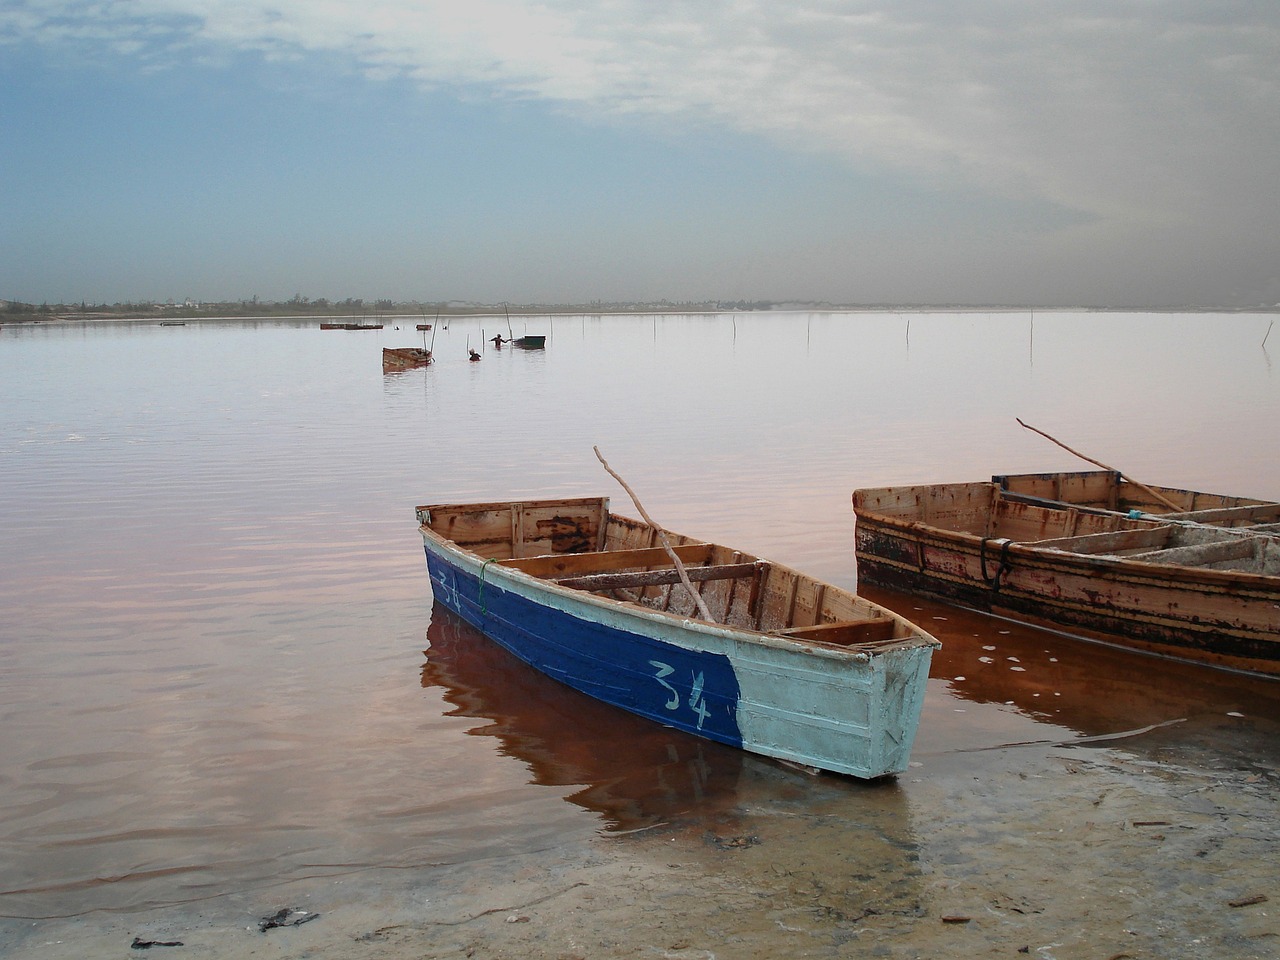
(1163, 845)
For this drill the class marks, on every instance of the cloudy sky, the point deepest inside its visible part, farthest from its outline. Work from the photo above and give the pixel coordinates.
(915, 151)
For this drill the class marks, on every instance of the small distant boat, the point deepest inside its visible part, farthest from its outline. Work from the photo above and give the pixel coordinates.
(173, 323)
(531, 342)
(351, 326)
(1178, 573)
(402, 358)
(424, 326)
(789, 667)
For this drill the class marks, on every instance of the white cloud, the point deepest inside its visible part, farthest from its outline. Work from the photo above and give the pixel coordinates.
(1138, 116)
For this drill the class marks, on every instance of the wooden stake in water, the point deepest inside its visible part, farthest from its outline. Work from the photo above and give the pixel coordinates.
(662, 536)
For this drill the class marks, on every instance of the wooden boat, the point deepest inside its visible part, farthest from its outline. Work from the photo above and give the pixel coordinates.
(1090, 554)
(403, 358)
(424, 326)
(531, 342)
(789, 667)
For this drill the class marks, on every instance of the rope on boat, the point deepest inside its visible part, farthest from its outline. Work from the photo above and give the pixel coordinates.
(1003, 566)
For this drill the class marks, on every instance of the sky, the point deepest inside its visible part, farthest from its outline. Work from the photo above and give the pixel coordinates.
(1099, 152)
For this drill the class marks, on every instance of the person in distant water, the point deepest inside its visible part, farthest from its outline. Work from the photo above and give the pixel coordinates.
(474, 355)
(498, 341)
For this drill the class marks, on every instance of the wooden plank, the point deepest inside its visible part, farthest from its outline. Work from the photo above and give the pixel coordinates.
(1122, 541)
(650, 578)
(607, 560)
(1203, 554)
(1258, 513)
(845, 633)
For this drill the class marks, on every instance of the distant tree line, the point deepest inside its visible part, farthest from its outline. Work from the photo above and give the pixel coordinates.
(299, 305)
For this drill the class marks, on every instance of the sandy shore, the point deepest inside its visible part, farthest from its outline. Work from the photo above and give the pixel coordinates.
(1163, 846)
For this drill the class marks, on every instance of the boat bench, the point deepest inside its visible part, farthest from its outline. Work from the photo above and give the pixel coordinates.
(604, 561)
(1204, 554)
(657, 578)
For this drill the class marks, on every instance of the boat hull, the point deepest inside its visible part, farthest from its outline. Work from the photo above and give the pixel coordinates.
(404, 358)
(1217, 617)
(836, 709)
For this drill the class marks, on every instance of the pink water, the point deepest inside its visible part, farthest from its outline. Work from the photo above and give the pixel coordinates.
(214, 611)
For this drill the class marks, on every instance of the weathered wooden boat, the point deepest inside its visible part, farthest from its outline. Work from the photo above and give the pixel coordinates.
(404, 358)
(1090, 554)
(424, 326)
(531, 342)
(789, 667)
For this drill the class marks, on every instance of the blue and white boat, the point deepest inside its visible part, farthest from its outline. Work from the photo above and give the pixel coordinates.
(787, 666)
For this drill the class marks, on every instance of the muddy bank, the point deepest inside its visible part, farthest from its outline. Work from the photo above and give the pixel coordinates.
(1167, 850)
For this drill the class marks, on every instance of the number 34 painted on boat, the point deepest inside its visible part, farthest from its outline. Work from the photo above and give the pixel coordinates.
(696, 701)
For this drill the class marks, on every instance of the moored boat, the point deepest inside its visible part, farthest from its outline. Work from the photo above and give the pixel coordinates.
(531, 342)
(403, 358)
(787, 666)
(1177, 573)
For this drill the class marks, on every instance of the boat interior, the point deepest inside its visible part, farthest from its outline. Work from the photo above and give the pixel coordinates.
(580, 545)
(1241, 537)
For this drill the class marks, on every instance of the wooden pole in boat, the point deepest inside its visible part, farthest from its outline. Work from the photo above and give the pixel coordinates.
(662, 536)
(1097, 463)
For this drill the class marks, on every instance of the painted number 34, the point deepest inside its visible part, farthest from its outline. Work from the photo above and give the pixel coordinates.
(697, 703)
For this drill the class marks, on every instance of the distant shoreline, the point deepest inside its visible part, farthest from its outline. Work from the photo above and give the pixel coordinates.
(197, 315)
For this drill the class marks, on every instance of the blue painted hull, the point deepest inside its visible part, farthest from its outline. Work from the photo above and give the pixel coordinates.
(693, 690)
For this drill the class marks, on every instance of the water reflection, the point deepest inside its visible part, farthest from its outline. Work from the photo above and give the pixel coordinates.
(1084, 690)
(634, 773)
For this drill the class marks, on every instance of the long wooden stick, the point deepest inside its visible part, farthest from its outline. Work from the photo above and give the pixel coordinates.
(662, 536)
(1098, 463)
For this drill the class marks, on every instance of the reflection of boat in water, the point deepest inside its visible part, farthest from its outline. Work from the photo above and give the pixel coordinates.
(1197, 580)
(633, 772)
(1092, 690)
(404, 358)
(786, 666)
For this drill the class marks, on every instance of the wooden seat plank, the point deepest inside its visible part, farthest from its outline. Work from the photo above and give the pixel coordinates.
(653, 578)
(604, 561)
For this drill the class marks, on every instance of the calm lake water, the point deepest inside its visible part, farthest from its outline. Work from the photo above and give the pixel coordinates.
(214, 607)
